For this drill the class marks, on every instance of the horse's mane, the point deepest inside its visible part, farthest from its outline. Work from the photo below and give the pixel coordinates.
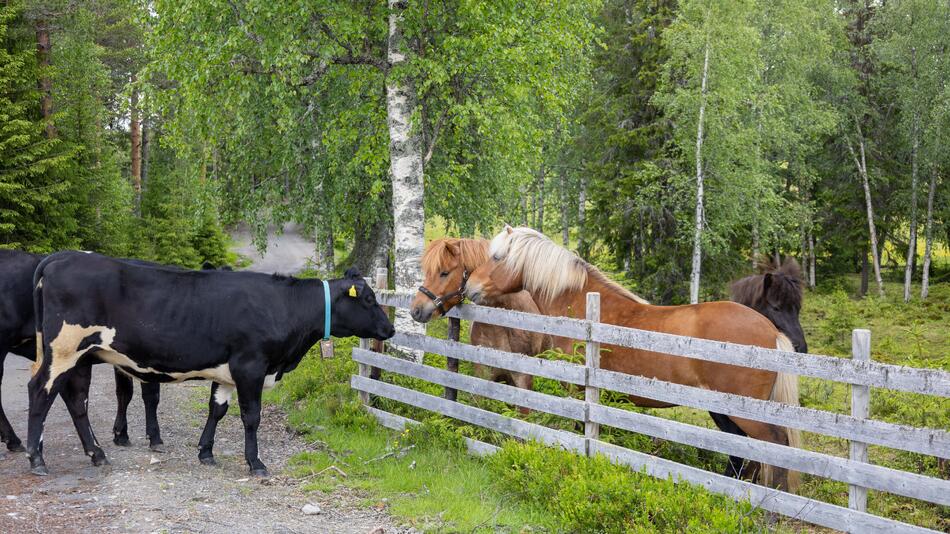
(786, 283)
(548, 269)
(472, 252)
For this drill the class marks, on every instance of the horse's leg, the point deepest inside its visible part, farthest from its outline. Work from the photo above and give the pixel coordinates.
(523, 381)
(151, 392)
(76, 397)
(123, 395)
(734, 467)
(767, 475)
(7, 435)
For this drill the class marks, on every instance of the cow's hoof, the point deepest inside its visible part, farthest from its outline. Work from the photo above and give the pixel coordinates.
(16, 447)
(39, 470)
(262, 473)
(122, 441)
(208, 460)
(100, 461)
(157, 447)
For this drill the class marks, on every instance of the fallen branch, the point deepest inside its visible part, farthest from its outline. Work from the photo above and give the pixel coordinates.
(399, 454)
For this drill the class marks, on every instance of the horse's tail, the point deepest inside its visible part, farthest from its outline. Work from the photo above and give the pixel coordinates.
(785, 390)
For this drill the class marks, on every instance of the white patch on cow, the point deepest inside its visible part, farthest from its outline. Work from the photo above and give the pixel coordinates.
(270, 380)
(223, 394)
(66, 354)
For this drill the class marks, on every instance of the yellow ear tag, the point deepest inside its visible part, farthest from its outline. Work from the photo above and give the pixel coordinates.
(353, 291)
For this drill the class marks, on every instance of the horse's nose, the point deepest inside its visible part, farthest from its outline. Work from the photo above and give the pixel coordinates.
(416, 312)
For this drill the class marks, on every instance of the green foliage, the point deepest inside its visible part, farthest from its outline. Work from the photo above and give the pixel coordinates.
(594, 495)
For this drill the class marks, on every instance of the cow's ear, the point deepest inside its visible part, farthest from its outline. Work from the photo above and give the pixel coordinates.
(353, 273)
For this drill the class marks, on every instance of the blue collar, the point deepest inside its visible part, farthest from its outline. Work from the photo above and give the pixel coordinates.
(326, 310)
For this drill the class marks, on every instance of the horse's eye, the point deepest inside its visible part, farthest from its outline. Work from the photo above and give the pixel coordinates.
(443, 274)
(496, 257)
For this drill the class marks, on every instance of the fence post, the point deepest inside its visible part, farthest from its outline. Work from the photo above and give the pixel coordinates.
(452, 364)
(380, 282)
(860, 401)
(592, 362)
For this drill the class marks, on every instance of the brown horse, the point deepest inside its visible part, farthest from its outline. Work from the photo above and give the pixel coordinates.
(523, 259)
(446, 265)
(777, 294)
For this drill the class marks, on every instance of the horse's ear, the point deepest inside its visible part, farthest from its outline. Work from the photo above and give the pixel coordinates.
(454, 248)
(509, 229)
(766, 284)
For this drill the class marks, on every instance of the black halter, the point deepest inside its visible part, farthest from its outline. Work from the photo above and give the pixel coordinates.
(440, 301)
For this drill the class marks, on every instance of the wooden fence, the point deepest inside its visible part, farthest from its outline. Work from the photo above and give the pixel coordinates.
(860, 372)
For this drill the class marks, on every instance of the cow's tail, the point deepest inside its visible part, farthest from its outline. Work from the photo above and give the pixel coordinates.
(38, 311)
(785, 390)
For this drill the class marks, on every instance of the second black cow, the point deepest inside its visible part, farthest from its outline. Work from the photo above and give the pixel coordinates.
(240, 330)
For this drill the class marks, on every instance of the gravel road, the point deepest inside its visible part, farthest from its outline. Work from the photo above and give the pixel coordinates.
(142, 491)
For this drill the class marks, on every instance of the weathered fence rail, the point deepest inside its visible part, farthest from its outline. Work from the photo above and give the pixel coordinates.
(861, 431)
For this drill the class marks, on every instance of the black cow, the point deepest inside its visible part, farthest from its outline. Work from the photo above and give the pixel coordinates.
(241, 330)
(18, 336)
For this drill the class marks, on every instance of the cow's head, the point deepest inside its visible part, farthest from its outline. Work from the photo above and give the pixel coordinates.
(355, 311)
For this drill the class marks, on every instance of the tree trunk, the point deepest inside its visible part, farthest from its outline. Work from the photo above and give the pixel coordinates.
(698, 232)
(755, 244)
(915, 145)
(863, 171)
(324, 240)
(541, 199)
(863, 290)
(582, 219)
(146, 151)
(565, 214)
(928, 237)
(371, 249)
(812, 277)
(524, 205)
(135, 128)
(405, 157)
(45, 83)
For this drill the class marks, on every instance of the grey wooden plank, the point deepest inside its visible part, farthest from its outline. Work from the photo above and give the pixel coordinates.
(925, 381)
(841, 469)
(562, 406)
(470, 414)
(795, 506)
(398, 422)
(923, 440)
(555, 370)
(592, 362)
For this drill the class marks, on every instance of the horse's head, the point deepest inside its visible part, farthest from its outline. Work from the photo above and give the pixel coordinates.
(446, 265)
(778, 297)
(496, 276)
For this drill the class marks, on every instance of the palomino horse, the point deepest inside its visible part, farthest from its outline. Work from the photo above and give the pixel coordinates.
(777, 294)
(446, 265)
(523, 259)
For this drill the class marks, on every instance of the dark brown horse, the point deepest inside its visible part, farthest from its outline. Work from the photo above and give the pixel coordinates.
(446, 265)
(776, 293)
(558, 281)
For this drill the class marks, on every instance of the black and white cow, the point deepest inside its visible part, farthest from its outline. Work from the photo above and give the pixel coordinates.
(18, 336)
(241, 330)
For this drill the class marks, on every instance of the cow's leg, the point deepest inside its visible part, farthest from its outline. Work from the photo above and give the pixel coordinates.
(7, 435)
(123, 395)
(41, 400)
(217, 407)
(76, 397)
(250, 385)
(150, 396)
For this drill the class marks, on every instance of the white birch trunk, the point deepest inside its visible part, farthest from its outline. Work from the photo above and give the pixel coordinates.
(406, 172)
(912, 244)
(863, 171)
(565, 219)
(698, 235)
(582, 217)
(928, 237)
(812, 278)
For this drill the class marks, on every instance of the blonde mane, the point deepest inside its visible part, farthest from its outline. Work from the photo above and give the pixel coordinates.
(548, 269)
(473, 253)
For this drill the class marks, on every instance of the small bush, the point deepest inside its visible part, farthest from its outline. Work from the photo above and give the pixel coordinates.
(594, 495)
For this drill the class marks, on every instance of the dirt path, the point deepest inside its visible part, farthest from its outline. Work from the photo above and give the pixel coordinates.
(286, 253)
(142, 491)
